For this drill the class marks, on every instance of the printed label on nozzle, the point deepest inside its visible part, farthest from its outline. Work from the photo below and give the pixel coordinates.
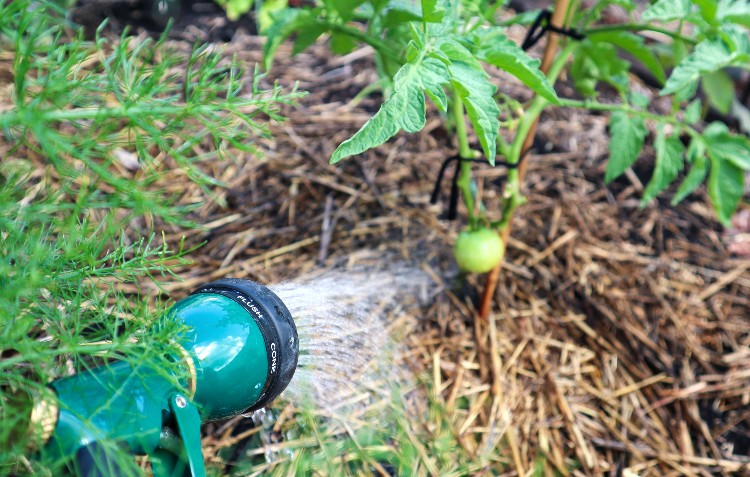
(273, 357)
(251, 306)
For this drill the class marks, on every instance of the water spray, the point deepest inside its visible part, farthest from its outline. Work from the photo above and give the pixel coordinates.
(239, 350)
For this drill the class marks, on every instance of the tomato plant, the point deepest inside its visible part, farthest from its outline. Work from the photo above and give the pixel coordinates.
(439, 49)
(436, 49)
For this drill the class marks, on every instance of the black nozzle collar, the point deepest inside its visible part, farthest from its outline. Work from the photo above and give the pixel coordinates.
(276, 325)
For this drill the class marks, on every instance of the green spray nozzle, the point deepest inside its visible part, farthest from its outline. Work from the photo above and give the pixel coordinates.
(240, 349)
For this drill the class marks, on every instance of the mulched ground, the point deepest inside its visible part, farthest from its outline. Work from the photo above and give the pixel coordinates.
(623, 332)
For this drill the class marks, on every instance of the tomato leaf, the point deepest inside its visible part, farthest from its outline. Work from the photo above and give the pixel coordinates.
(266, 12)
(341, 43)
(696, 156)
(734, 11)
(707, 8)
(308, 36)
(396, 13)
(286, 23)
(711, 54)
(693, 112)
(344, 8)
(725, 146)
(635, 45)
(236, 8)
(493, 47)
(726, 184)
(627, 134)
(476, 93)
(719, 89)
(669, 152)
(596, 62)
(404, 109)
(667, 10)
(471, 83)
(431, 12)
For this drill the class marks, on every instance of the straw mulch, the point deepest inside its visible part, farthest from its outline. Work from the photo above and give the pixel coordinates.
(622, 332)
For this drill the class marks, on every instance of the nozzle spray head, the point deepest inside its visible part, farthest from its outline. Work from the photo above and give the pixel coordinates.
(243, 343)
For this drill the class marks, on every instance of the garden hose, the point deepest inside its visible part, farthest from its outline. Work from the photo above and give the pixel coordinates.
(240, 351)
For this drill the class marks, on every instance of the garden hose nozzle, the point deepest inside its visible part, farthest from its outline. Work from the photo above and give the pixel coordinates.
(240, 347)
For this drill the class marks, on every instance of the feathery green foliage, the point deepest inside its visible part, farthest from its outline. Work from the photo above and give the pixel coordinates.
(90, 131)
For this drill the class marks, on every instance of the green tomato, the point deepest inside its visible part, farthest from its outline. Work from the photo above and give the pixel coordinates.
(478, 250)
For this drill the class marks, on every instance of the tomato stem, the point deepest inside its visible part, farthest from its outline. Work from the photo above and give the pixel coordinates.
(464, 152)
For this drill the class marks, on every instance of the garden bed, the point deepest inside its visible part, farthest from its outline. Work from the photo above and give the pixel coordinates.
(621, 331)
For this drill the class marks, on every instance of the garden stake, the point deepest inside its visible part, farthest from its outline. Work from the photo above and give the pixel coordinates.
(239, 350)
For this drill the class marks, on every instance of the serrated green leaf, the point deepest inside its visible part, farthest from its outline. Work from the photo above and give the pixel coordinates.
(493, 47)
(695, 150)
(639, 100)
(266, 12)
(236, 8)
(709, 55)
(341, 43)
(707, 9)
(693, 112)
(455, 51)
(726, 185)
(734, 11)
(477, 95)
(594, 62)
(687, 93)
(679, 51)
(667, 10)
(715, 128)
(669, 152)
(635, 45)
(307, 37)
(404, 109)
(343, 8)
(627, 134)
(719, 89)
(399, 12)
(432, 12)
(470, 82)
(696, 156)
(286, 23)
(725, 146)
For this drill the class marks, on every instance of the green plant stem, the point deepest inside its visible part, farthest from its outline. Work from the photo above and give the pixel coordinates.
(596, 106)
(379, 45)
(539, 103)
(365, 92)
(385, 55)
(636, 27)
(464, 152)
(512, 197)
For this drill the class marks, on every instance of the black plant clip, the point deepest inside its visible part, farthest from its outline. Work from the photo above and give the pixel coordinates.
(453, 202)
(542, 25)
